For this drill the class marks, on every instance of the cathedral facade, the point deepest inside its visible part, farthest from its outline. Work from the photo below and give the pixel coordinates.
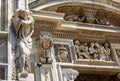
(60, 40)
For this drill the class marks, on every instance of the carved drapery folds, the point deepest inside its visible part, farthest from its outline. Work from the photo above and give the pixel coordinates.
(24, 28)
(92, 50)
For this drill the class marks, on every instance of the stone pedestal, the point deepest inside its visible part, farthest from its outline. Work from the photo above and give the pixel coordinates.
(26, 77)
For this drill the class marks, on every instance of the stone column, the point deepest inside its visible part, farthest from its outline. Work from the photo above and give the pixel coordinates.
(9, 14)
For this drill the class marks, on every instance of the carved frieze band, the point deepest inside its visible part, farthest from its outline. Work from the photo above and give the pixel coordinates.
(92, 50)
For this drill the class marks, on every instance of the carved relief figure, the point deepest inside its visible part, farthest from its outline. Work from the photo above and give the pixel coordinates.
(84, 51)
(107, 51)
(77, 48)
(24, 28)
(92, 51)
(100, 51)
(62, 54)
(76, 18)
(46, 43)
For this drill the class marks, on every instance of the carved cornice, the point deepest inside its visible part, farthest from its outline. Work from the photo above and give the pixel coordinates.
(84, 31)
(49, 3)
(45, 25)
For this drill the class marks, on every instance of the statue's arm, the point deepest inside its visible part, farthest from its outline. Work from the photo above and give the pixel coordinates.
(17, 22)
(26, 22)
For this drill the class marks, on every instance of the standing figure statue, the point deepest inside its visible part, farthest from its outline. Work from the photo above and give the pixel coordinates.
(24, 28)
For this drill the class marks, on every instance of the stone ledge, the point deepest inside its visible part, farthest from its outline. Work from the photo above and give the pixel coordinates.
(95, 69)
(28, 77)
(3, 35)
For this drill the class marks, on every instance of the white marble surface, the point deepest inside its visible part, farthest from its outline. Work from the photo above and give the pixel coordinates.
(29, 77)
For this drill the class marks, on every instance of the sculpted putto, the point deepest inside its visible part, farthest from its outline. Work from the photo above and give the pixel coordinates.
(24, 28)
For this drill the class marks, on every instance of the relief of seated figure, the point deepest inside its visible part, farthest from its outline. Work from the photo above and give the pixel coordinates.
(84, 54)
(100, 52)
(92, 50)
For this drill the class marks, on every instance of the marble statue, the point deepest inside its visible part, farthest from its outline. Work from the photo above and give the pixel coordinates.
(24, 28)
(46, 43)
(63, 54)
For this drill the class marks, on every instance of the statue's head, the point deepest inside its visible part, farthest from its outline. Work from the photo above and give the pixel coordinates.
(76, 42)
(46, 42)
(106, 45)
(22, 13)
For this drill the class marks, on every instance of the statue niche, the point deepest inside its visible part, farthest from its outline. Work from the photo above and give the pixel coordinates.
(92, 50)
(46, 43)
(24, 28)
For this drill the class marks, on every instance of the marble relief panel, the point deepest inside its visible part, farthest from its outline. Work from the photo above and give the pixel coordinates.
(116, 52)
(92, 50)
(63, 51)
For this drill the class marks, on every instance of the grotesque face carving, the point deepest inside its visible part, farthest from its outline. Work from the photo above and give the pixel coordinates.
(46, 42)
(63, 52)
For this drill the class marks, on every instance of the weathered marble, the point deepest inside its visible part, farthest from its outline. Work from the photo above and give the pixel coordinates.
(26, 77)
(24, 28)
